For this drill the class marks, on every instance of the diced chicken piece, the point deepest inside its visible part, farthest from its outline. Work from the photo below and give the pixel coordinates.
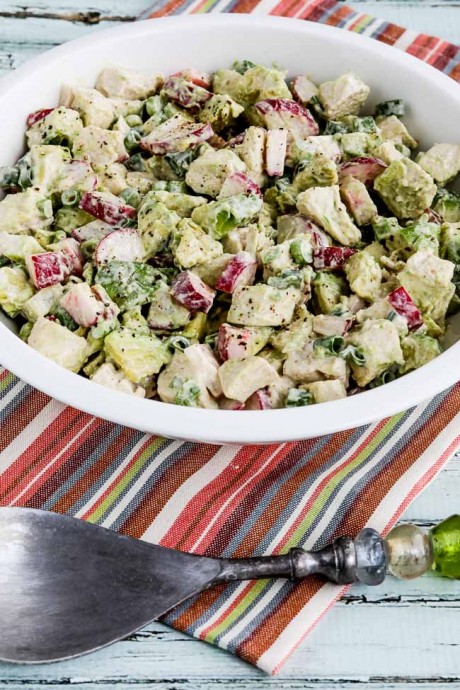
(106, 375)
(58, 344)
(365, 169)
(120, 245)
(379, 343)
(240, 378)
(176, 135)
(189, 290)
(295, 225)
(263, 305)
(343, 96)
(303, 366)
(331, 257)
(275, 152)
(358, 201)
(393, 129)
(24, 212)
(281, 113)
(324, 206)
(115, 82)
(195, 246)
(239, 271)
(185, 92)
(364, 275)
(100, 147)
(165, 312)
(382, 309)
(88, 305)
(72, 253)
(191, 378)
(441, 161)
(427, 279)
(238, 343)
(327, 324)
(303, 89)
(325, 391)
(106, 207)
(207, 173)
(238, 183)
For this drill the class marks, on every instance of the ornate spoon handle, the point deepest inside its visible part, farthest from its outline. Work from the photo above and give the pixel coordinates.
(407, 552)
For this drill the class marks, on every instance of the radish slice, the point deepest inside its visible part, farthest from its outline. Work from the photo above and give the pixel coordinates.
(403, 304)
(260, 400)
(275, 152)
(282, 113)
(120, 245)
(47, 269)
(232, 342)
(185, 93)
(240, 270)
(176, 135)
(238, 183)
(38, 115)
(331, 257)
(106, 207)
(227, 404)
(203, 79)
(365, 169)
(188, 289)
(72, 254)
(88, 305)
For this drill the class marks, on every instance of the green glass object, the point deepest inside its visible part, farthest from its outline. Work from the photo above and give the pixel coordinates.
(446, 547)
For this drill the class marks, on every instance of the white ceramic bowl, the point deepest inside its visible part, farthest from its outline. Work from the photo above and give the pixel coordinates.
(209, 42)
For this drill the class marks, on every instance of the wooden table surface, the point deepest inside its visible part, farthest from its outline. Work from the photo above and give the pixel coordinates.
(395, 636)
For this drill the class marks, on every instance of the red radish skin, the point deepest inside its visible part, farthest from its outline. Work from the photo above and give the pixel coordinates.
(260, 400)
(234, 405)
(120, 245)
(433, 217)
(238, 183)
(275, 152)
(365, 169)
(38, 115)
(236, 140)
(188, 289)
(240, 270)
(176, 139)
(202, 79)
(107, 208)
(232, 342)
(331, 257)
(282, 113)
(185, 93)
(47, 269)
(403, 305)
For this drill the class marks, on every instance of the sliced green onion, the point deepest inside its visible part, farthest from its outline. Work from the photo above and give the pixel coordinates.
(178, 342)
(131, 196)
(132, 139)
(286, 280)
(297, 397)
(134, 121)
(46, 208)
(135, 163)
(389, 375)
(25, 176)
(242, 66)
(333, 127)
(332, 345)
(355, 354)
(9, 177)
(70, 197)
(153, 105)
(25, 331)
(187, 391)
(211, 339)
(301, 251)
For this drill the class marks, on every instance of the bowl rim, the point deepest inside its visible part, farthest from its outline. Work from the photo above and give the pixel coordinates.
(221, 426)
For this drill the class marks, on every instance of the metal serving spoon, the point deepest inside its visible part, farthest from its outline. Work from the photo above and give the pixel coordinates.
(68, 587)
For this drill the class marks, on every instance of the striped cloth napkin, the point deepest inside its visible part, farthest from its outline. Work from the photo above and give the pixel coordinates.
(234, 501)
